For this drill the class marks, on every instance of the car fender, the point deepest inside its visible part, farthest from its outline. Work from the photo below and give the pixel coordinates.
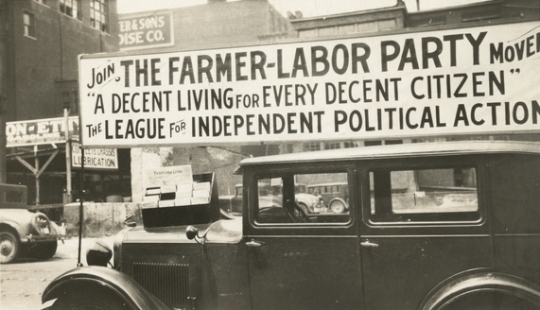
(483, 280)
(108, 279)
(21, 231)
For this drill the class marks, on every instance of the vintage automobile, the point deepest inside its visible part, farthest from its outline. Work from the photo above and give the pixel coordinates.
(23, 232)
(431, 226)
(335, 195)
(307, 202)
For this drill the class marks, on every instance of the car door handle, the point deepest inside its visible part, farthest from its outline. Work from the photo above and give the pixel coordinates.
(368, 244)
(253, 244)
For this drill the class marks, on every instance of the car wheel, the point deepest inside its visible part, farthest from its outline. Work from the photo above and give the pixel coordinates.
(9, 247)
(45, 250)
(89, 301)
(337, 206)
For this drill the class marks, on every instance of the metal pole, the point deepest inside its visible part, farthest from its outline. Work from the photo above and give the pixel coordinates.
(81, 213)
(68, 156)
(36, 175)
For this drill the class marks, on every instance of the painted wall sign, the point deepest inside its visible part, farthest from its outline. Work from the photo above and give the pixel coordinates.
(40, 131)
(146, 31)
(450, 82)
(99, 159)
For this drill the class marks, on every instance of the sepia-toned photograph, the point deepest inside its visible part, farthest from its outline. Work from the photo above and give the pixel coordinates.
(269, 154)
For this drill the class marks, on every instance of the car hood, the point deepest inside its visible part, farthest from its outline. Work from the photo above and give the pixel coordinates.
(222, 231)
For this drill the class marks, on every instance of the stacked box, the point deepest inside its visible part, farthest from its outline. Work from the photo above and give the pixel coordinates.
(182, 204)
(178, 195)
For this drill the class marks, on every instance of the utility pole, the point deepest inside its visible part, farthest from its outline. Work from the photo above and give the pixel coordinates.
(3, 148)
(68, 155)
(3, 90)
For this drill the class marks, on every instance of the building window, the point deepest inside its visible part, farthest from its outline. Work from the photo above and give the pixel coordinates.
(98, 14)
(317, 146)
(44, 2)
(70, 8)
(332, 146)
(312, 146)
(29, 25)
(75, 106)
(70, 100)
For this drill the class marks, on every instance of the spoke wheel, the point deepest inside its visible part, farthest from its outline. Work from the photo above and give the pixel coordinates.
(9, 247)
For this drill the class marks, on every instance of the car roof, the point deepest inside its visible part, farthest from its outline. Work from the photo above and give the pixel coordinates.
(400, 151)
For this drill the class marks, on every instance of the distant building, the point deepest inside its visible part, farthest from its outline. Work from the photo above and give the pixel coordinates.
(216, 24)
(40, 41)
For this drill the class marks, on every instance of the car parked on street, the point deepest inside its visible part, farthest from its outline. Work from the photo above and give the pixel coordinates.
(335, 195)
(433, 226)
(23, 232)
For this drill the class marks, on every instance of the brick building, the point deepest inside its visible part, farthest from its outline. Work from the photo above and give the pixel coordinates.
(40, 43)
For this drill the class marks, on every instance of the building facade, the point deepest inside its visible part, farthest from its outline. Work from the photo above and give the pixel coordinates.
(41, 41)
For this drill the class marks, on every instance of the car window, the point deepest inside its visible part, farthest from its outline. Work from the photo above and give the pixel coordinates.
(424, 195)
(292, 204)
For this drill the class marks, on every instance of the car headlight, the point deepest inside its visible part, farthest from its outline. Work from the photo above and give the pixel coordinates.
(99, 254)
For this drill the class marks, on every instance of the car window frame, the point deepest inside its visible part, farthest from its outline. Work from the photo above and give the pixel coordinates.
(253, 173)
(420, 163)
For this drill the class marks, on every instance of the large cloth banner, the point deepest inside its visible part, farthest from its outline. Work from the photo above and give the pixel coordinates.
(481, 80)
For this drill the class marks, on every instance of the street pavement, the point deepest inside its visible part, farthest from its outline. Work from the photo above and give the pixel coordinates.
(23, 282)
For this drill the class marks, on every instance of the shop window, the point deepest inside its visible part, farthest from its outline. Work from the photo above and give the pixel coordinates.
(29, 25)
(99, 14)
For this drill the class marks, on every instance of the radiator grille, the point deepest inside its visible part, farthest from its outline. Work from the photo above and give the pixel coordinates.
(168, 282)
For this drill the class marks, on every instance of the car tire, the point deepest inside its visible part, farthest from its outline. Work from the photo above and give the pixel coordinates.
(337, 206)
(10, 247)
(45, 250)
(92, 300)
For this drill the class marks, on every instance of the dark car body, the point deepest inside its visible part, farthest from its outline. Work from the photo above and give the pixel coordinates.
(22, 231)
(430, 226)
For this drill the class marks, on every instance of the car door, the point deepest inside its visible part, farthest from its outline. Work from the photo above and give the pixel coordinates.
(424, 221)
(297, 264)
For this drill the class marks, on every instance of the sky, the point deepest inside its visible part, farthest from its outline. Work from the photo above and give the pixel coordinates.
(307, 7)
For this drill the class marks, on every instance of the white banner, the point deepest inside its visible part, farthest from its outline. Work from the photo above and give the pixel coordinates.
(451, 82)
(40, 131)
